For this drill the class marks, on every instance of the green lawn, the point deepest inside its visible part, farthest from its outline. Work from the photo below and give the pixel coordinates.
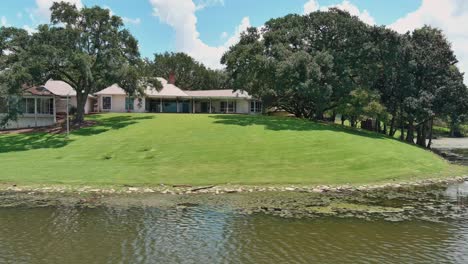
(147, 149)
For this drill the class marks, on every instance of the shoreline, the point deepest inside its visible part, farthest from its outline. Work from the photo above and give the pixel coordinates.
(425, 200)
(227, 188)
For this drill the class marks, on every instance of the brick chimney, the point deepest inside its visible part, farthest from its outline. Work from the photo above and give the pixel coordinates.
(171, 78)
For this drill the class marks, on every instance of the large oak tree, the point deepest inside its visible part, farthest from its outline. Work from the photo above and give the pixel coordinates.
(87, 48)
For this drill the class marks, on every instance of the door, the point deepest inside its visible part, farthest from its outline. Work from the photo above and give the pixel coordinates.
(204, 107)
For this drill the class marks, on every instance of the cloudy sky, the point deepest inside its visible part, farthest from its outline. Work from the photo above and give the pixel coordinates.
(206, 28)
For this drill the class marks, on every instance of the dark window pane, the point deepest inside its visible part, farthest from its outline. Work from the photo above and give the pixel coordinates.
(106, 103)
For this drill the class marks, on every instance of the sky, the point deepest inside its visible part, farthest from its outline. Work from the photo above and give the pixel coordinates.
(205, 29)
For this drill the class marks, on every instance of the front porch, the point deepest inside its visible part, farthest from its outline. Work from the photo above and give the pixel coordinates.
(197, 105)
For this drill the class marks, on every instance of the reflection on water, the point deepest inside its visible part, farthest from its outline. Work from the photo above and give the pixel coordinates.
(204, 235)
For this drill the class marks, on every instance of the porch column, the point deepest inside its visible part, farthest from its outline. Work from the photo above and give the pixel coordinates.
(35, 111)
(193, 105)
(177, 105)
(55, 111)
(160, 105)
(255, 106)
(210, 105)
(227, 106)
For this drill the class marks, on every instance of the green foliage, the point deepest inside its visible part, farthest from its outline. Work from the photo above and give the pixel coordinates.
(189, 74)
(333, 63)
(87, 48)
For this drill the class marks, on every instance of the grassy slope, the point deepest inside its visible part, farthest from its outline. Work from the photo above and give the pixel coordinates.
(145, 149)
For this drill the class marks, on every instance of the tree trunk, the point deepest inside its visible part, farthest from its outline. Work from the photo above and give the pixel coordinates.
(333, 117)
(421, 135)
(343, 119)
(392, 129)
(81, 99)
(352, 121)
(431, 125)
(410, 133)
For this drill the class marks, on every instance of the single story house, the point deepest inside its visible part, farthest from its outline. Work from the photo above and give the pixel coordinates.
(38, 108)
(63, 90)
(172, 99)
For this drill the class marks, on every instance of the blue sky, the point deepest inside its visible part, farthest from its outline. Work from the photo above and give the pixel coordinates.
(206, 28)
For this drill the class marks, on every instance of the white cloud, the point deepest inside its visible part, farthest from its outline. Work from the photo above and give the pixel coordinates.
(206, 3)
(127, 20)
(450, 15)
(19, 15)
(180, 15)
(42, 11)
(364, 15)
(29, 29)
(311, 6)
(134, 21)
(224, 35)
(4, 22)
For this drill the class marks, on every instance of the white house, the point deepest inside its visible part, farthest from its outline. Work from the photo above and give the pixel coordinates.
(37, 107)
(63, 90)
(171, 99)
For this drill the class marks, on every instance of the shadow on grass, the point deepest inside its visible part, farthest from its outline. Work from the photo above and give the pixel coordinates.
(289, 123)
(30, 141)
(109, 123)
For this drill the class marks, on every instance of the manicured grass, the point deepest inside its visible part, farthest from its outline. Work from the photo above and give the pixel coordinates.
(147, 149)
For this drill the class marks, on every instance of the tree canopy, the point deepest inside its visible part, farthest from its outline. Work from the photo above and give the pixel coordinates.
(329, 62)
(190, 74)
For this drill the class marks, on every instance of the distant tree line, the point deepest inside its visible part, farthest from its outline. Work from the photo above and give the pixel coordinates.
(325, 64)
(189, 74)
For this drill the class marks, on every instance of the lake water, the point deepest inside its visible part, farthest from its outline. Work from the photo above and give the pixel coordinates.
(68, 234)
(202, 234)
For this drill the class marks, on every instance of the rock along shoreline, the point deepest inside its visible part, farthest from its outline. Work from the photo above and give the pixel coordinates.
(229, 189)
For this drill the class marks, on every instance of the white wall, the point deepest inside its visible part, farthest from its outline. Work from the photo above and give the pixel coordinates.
(118, 104)
(243, 107)
(61, 104)
(30, 121)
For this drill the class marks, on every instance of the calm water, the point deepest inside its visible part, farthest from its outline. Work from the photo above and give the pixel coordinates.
(204, 235)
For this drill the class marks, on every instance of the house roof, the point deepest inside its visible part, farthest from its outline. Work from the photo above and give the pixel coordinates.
(37, 90)
(59, 88)
(114, 89)
(170, 90)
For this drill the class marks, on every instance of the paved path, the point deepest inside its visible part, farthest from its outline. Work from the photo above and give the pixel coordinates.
(450, 143)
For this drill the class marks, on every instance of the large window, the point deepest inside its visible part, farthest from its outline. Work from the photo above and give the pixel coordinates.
(255, 107)
(45, 106)
(129, 103)
(106, 103)
(228, 107)
(28, 105)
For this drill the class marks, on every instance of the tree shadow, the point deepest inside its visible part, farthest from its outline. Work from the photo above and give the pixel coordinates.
(105, 124)
(31, 141)
(290, 123)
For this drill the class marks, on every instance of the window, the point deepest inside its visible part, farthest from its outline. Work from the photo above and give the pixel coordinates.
(27, 105)
(45, 106)
(3, 105)
(129, 103)
(255, 107)
(107, 103)
(228, 107)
